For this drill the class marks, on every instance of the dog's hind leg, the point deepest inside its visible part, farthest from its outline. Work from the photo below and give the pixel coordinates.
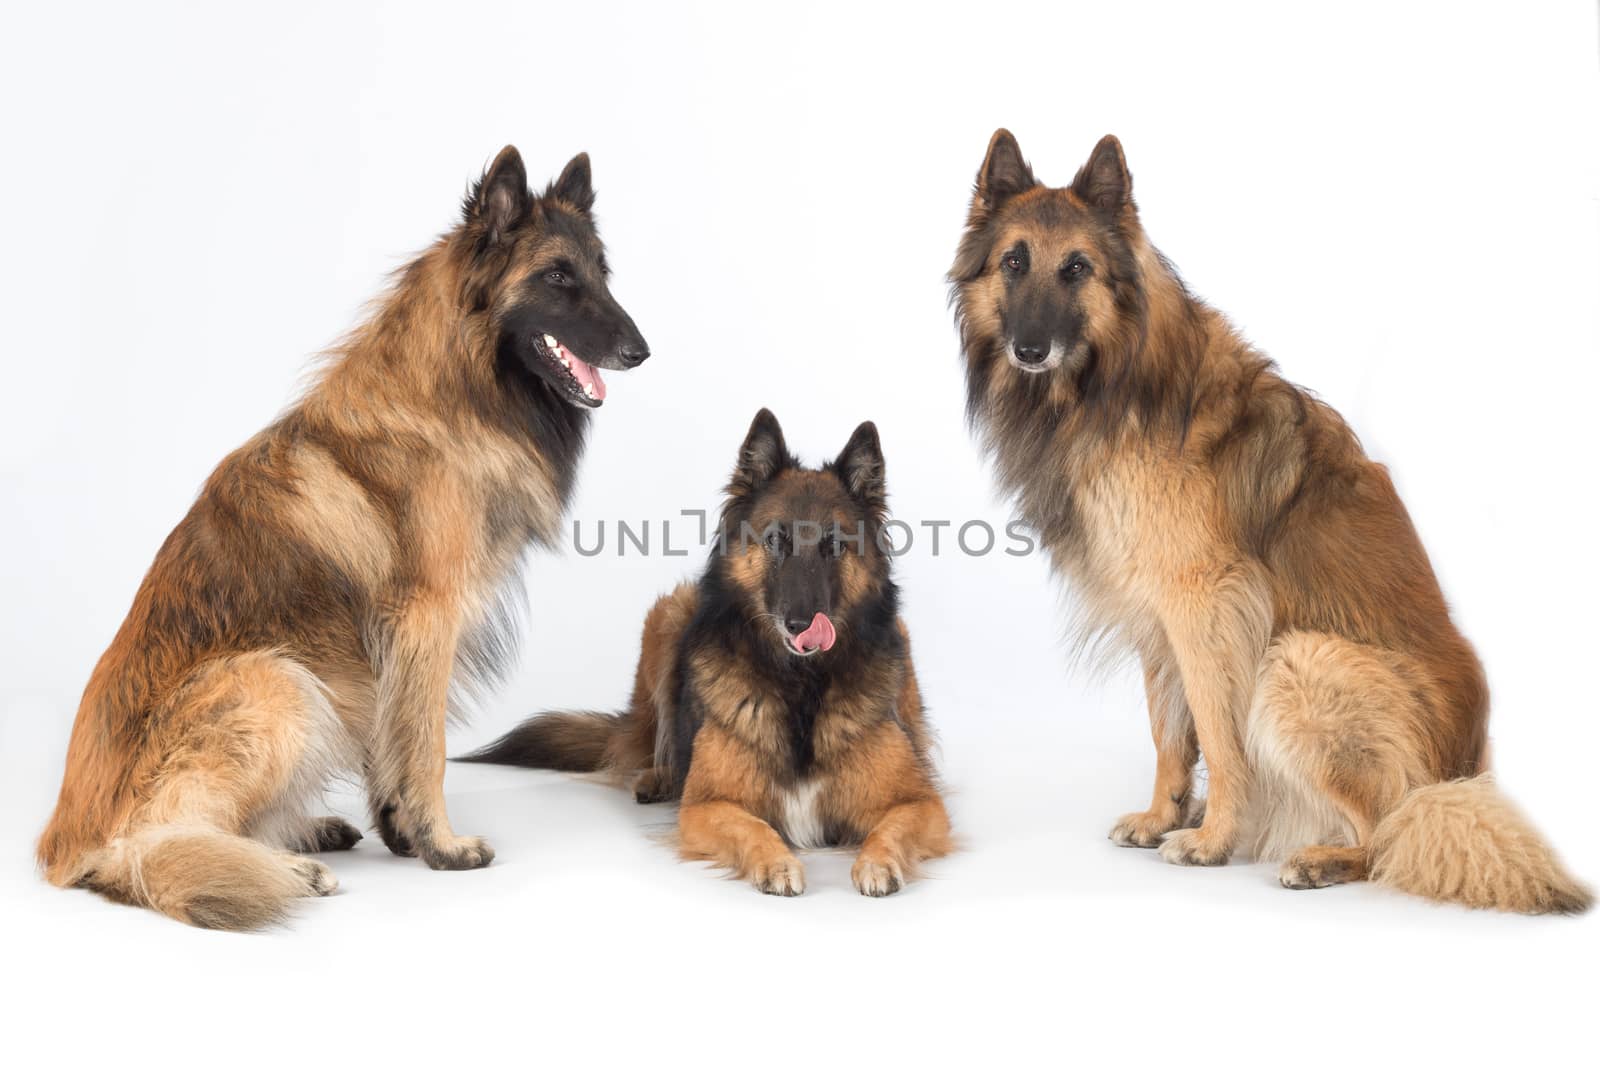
(651, 787)
(1177, 750)
(253, 734)
(1332, 732)
(1318, 866)
(327, 833)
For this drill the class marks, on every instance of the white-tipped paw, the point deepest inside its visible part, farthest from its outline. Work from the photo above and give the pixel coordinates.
(456, 853)
(873, 879)
(1195, 848)
(782, 877)
(1140, 829)
(319, 879)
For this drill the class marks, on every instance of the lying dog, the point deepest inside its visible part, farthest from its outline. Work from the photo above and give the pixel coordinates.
(776, 697)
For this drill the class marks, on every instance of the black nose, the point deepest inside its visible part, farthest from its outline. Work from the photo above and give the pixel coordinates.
(1029, 353)
(634, 354)
(796, 626)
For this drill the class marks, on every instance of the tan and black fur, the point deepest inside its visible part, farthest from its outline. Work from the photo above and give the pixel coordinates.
(340, 573)
(1228, 526)
(770, 749)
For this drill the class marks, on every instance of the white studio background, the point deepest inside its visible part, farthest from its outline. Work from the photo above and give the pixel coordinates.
(1398, 202)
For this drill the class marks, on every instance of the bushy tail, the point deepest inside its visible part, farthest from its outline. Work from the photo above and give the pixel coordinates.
(203, 876)
(1464, 842)
(573, 741)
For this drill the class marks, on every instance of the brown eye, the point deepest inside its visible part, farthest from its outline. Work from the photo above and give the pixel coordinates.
(556, 277)
(1013, 263)
(1076, 268)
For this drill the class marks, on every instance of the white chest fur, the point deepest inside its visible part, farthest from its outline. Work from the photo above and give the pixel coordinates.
(800, 812)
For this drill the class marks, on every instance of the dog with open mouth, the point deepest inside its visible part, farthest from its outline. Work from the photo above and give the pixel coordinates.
(775, 698)
(342, 572)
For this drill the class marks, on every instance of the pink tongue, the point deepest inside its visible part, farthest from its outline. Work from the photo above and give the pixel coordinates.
(585, 374)
(818, 635)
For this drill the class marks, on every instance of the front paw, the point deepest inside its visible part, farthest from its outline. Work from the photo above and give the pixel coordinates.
(457, 853)
(874, 879)
(394, 838)
(1196, 848)
(781, 876)
(1142, 829)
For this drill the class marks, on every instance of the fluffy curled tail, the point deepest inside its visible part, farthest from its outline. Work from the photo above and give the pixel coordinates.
(572, 741)
(203, 876)
(1464, 842)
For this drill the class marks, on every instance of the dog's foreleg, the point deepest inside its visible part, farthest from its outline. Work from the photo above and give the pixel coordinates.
(723, 833)
(1177, 750)
(408, 761)
(905, 835)
(1218, 621)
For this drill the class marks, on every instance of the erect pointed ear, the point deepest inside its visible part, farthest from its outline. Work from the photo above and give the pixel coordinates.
(860, 467)
(762, 455)
(1104, 182)
(500, 200)
(1003, 175)
(573, 185)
